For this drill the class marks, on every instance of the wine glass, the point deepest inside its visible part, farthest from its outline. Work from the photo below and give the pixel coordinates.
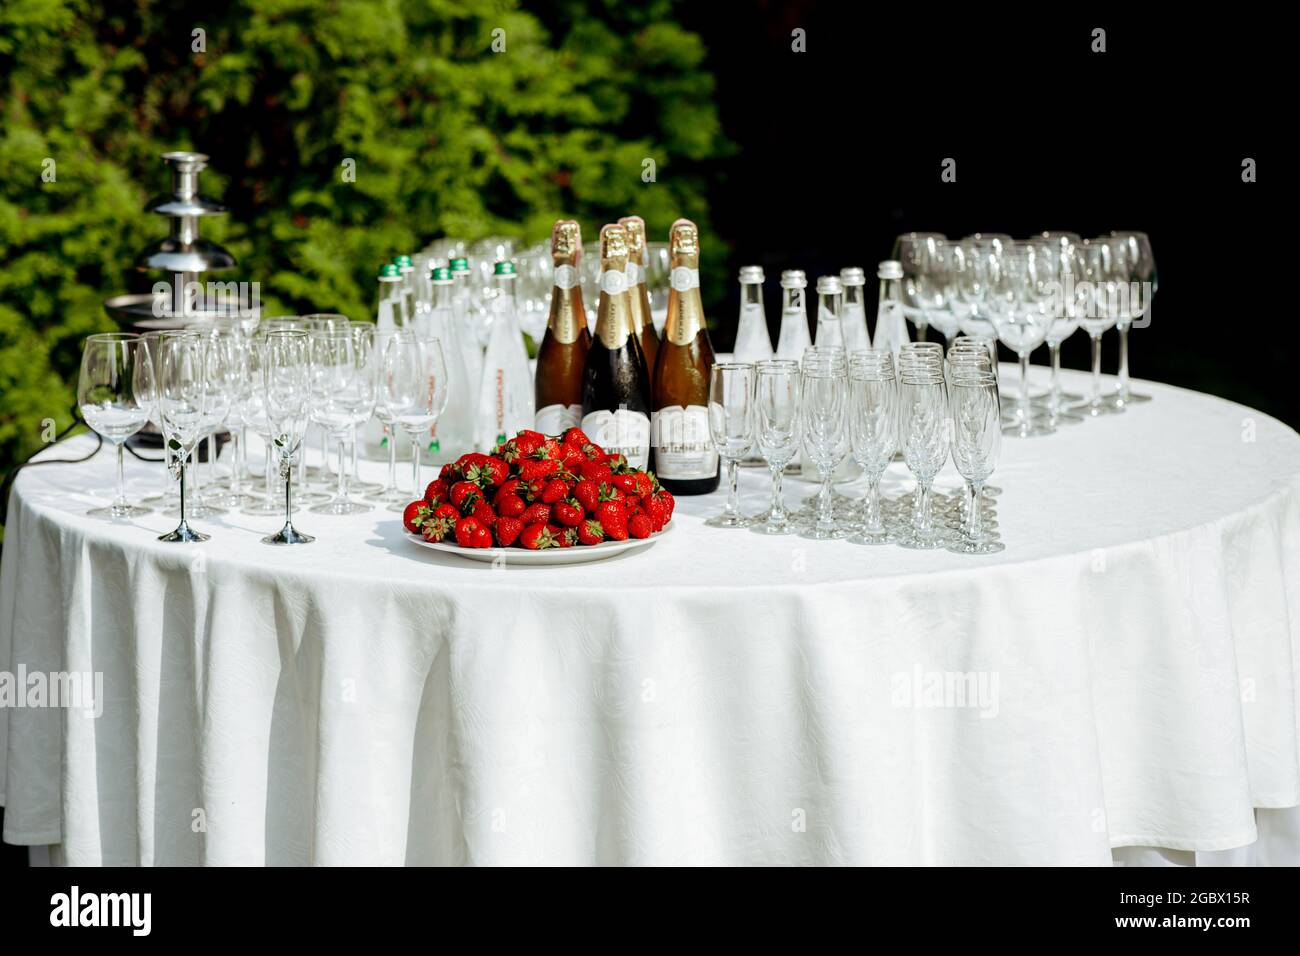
(1133, 249)
(914, 251)
(923, 434)
(976, 440)
(776, 432)
(389, 494)
(363, 343)
(731, 426)
(115, 394)
(873, 399)
(934, 288)
(341, 389)
(1101, 286)
(184, 396)
(220, 358)
(286, 379)
(250, 407)
(168, 495)
(1025, 294)
(823, 391)
(972, 266)
(1065, 321)
(413, 388)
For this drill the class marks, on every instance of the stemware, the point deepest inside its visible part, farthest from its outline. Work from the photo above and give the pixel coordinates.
(915, 251)
(115, 394)
(1100, 311)
(872, 436)
(251, 410)
(1133, 250)
(413, 388)
(1065, 321)
(823, 423)
(286, 378)
(342, 389)
(221, 357)
(922, 428)
(934, 288)
(731, 426)
(776, 427)
(1024, 294)
(185, 394)
(976, 440)
(168, 495)
(389, 494)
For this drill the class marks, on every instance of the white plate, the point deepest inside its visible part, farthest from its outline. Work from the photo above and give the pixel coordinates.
(577, 554)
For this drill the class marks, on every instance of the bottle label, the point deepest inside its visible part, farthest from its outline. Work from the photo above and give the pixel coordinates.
(684, 278)
(683, 447)
(557, 419)
(635, 275)
(613, 282)
(622, 432)
(566, 277)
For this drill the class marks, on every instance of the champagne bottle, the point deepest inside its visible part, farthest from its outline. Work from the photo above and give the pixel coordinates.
(505, 396)
(643, 326)
(615, 380)
(686, 462)
(562, 356)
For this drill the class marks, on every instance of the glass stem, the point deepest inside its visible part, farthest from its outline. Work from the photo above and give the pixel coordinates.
(825, 516)
(212, 457)
(236, 487)
(873, 523)
(1096, 370)
(1055, 351)
(391, 434)
(270, 474)
(922, 331)
(341, 491)
(1024, 383)
(776, 514)
(184, 468)
(415, 463)
(923, 520)
(974, 521)
(288, 498)
(198, 479)
(121, 476)
(1123, 361)
(733, 489)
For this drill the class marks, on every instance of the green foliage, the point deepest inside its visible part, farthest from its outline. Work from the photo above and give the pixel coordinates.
(448, 138)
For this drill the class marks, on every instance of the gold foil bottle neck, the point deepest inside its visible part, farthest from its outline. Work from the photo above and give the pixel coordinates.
(566, 242)
(685, 311)
(614, 320)
(684, 240)
(635, 227)
(613, 244)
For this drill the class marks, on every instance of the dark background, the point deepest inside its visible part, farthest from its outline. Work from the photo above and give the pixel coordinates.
(840, 150)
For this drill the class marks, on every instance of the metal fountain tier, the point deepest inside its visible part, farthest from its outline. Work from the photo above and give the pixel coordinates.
(182, 256)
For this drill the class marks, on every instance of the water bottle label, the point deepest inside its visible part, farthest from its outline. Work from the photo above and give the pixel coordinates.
(566, 277)
(623, 432)
(557, 419)
(682, 444)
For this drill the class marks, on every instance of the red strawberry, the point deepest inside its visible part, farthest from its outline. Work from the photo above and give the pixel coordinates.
(639, 526)
(617, 463)
(554, 490)
(465, 495)
(624, 483)
(597, 471)
(590, 532)
(667, 496)
(572, 459)
(509, 487)
(536, 537)
(507, 530)
(450, 473)
(656, 509)
(644, 482)
(588, 493)
(536, 513)
(438, 527)
(488, 473)
(465, 461)
(436, 492)
(532, 469)
(446, 510)
(568, 513)
(510, 506)
(466, 528)
(613, 519)
(564, 537)
(481, 538)
(576, 437)
(550, 449)
(483, 511)
(415, 514)
(526, 444)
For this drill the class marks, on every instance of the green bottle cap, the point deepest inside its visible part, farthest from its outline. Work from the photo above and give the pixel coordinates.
(442, 274)
(389, 271)
(401, 261)
(460, 265)
(504, 269)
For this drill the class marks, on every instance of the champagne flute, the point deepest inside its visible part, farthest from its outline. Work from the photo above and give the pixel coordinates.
(413, 388)
(873, 399)
(731, 426)
(976, 440)
(776, 427)
(115, 394)
(184, 397)
(390, 494)
(923, 425)
(286, 373)
(823, 422)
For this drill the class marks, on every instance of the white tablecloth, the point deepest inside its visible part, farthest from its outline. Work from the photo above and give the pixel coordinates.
(721, 698)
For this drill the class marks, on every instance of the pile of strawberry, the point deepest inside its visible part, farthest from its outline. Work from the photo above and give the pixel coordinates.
(536, 492)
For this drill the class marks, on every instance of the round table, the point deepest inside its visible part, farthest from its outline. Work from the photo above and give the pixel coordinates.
(1123, 674)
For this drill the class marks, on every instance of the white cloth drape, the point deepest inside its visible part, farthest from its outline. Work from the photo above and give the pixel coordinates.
(1123, 674)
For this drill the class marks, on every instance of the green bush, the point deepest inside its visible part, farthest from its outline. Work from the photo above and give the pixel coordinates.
(448, 138)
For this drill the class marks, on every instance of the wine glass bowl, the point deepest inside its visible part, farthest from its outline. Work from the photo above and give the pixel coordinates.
(115, 396)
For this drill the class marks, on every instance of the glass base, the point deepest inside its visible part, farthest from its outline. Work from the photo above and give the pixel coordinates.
(1066, 418)
(725, 520)
(824, 534)
(984, 546)
(365, 487)
(263, 506)
(916, 541)
(765, 526)
(201, 509)
(400, 504)
(1033, 428)
(1096, 409)
(226, 502)
(1133, 398)
(863, 536)
(184, 533)
(288, 535)
(342, 506)
(391, 496)
(119, 511)
(306, 498)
